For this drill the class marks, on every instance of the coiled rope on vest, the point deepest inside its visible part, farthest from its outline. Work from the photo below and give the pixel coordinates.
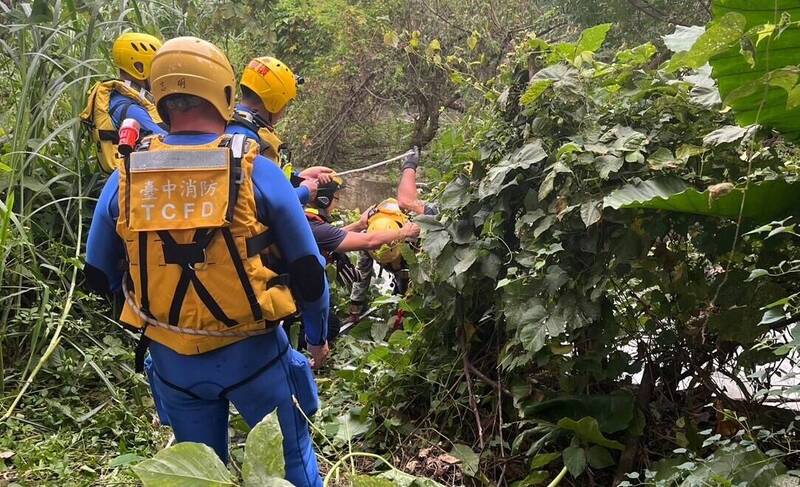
(185, 331)
(377, 164)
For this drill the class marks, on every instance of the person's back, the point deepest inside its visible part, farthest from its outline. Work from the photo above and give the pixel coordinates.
(112, 101)
(192, 211)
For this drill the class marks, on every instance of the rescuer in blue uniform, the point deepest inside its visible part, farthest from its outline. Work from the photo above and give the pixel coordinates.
(197, 376)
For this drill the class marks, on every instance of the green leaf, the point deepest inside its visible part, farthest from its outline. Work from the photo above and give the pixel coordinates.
(455, 194)
(767, 200)
(727, 134)
(608, 164)
(746, 82)
(184, 465)
(402, 479)
(687, 151)
(591, 212)
(263, 452)
(522, 158)
(390, 38)
(613, 412)
(575, 460)
(599, 457)
(470, 461)
(350, 428)
(125, 459)
(543, 459)
(588, 430)
(472, 41)
(637, 56)
(592, 39)
(741, 467)
(537, 477)
(662, 159)
(466, 257)
(722, 33)
(534, 91)
(367, 481)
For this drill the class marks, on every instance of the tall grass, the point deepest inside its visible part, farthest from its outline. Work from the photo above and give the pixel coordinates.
(53, 52)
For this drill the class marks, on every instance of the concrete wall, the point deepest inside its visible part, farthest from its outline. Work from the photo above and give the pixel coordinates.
(363, 190)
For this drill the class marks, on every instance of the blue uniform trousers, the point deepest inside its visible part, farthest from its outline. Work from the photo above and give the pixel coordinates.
(258, 375)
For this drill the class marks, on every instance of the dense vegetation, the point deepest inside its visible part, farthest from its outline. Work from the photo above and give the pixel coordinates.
(608, 296)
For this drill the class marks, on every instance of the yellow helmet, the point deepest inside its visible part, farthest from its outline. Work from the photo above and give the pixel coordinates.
(272, 81)
(386, 216)
(133, 52)
(192, 66)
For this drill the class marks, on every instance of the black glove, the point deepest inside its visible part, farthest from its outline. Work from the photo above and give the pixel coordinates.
(411, 161)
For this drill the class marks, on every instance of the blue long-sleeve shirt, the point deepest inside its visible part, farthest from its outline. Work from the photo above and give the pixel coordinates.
(276, 204)
(237, 128)
(116, 108)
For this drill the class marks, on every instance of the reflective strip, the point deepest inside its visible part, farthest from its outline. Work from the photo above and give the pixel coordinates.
(179, 159)
(237, 145)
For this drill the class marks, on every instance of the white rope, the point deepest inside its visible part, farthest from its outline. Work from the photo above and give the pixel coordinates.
(373, 166)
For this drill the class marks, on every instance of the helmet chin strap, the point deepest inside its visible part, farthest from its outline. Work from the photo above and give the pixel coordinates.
(261, 121)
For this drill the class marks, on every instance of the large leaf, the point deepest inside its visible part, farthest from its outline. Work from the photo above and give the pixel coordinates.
(726, 30)
(588, 431)
(612, 412)
(184, 465)
(592, 38)
(575, 460)
(367, 481)
(470, 461)
(402, 479)
(748, 68)
(765, 201)
(263, 453)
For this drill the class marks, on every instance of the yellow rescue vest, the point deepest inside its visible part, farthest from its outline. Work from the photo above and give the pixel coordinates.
(97, 118)
(270, 144)
(196, 280)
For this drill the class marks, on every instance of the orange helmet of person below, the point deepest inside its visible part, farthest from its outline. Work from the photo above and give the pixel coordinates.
(387, 216)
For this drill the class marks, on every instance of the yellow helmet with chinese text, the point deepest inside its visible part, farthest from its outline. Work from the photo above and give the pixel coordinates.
(192, 66)
(386, 216)
(272, 81)
(133, 53)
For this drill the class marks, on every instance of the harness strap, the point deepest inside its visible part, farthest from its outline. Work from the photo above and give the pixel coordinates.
(141, 350)
(248, 121)
(279, 280)
(150, 321)
(257, 243)
(237, 144)
(143, 272)
(108, 136)
(247, 286)
(186, 255)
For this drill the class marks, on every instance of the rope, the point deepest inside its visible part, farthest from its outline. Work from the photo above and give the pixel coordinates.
(373, 166)
(185, 331)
